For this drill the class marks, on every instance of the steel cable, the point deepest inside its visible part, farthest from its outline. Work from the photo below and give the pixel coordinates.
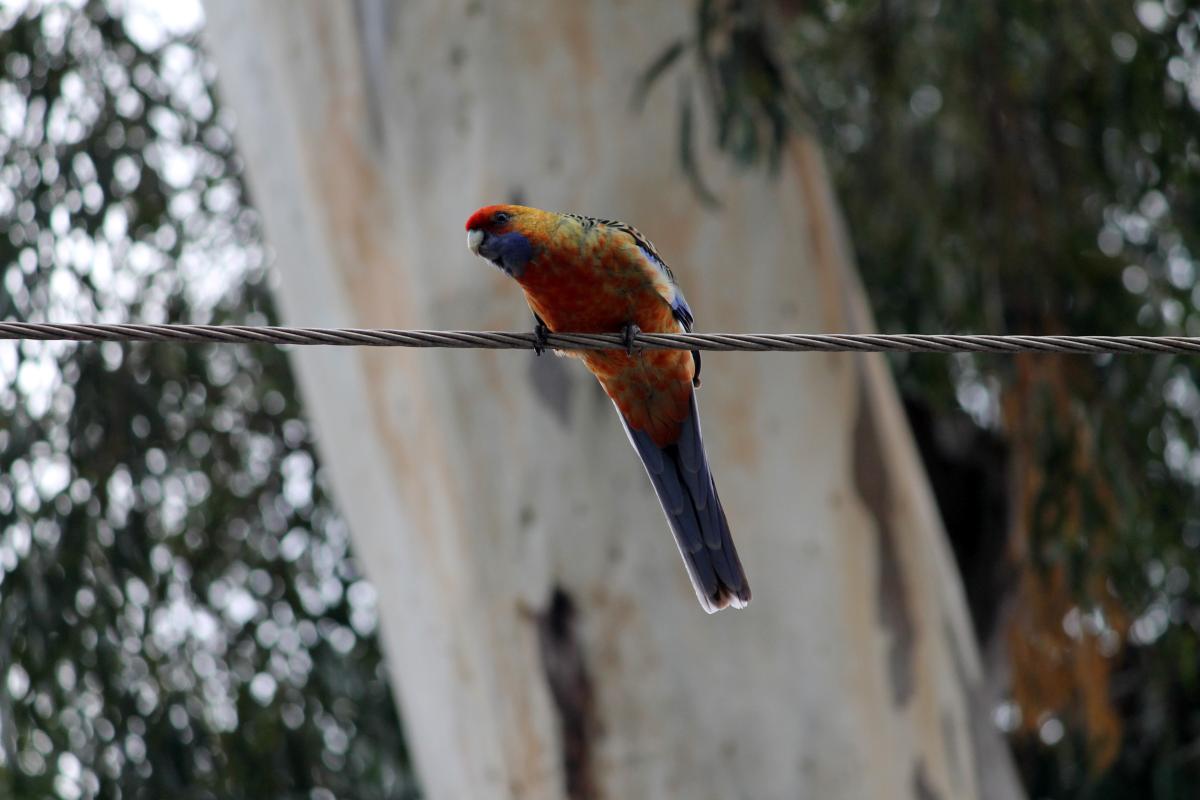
(501, 340)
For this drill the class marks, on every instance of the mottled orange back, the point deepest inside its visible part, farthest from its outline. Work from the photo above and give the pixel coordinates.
(589, 277)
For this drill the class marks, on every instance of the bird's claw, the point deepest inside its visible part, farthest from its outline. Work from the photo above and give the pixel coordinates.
(541, 336)
(629, 334)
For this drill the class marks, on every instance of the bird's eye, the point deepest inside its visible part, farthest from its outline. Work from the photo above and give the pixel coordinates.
(501, 217)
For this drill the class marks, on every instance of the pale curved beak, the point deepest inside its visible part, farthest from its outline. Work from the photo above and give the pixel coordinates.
(474, 240)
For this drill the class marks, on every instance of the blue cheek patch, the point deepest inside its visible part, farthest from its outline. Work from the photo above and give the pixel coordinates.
(513, 251)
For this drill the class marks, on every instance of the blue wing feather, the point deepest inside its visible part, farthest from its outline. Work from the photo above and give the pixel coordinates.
(679, 305)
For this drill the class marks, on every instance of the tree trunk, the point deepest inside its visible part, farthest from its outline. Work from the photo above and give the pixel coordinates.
(542, 635)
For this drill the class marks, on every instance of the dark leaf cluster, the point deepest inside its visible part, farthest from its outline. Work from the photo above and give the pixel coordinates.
(180, 614)
(1019, 167)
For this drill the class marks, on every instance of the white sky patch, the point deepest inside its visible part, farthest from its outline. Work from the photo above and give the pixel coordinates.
(13, 108)
(152, 23)
(36, 379)
(297, 469)
(52, 475)
(204, 626)
(240, 606)
(8, 362)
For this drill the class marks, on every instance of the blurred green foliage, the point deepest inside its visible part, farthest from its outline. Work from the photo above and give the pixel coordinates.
(1020, 167)
(179, 611)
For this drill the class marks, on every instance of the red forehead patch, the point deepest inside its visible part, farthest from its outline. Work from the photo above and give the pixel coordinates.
(482, 216)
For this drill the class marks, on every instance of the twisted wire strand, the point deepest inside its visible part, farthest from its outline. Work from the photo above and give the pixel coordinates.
(502, 340)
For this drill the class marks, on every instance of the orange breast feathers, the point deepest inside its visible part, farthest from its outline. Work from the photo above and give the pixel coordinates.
(590, 278)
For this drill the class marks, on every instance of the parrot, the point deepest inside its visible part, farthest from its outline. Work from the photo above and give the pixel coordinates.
(586, 275)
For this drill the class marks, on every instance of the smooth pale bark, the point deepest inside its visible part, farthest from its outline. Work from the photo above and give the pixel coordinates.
(477, 482)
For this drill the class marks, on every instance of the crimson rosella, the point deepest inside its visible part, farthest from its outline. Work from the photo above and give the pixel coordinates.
(587, 275)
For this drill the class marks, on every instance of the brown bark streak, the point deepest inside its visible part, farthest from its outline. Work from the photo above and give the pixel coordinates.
(572, 691)
(872, 483)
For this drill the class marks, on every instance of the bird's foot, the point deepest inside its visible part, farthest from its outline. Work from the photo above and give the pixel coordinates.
(629, 334)
(541, 335)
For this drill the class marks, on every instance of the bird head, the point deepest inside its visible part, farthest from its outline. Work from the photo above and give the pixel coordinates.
(498, 233)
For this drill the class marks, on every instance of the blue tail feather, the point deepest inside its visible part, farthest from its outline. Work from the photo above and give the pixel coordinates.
(685, 488)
